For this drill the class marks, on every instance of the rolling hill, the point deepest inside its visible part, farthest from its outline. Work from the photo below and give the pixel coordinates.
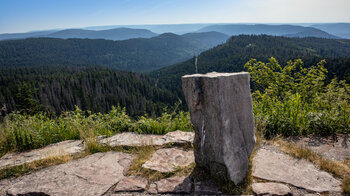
(138, 55)
(211, 38)
(110, 34)
(338, 29)
(312, 32)
(276, 30)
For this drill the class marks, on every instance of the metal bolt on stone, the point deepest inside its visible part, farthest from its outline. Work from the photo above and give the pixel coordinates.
(221, 110)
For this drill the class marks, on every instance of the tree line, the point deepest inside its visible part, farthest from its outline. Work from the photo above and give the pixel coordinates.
(60, 88)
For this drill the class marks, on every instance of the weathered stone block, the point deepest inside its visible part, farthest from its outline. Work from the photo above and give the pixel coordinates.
(221, 111)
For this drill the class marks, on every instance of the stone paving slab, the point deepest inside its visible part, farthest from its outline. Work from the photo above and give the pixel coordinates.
(335, 148)
(271, 164)
(92, 175)
(169, 159)
(173, 185)
(271, 188)
(131, 184)
(135, 139)
(69, 147)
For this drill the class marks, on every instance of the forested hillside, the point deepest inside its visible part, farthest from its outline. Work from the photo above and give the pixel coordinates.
(133, 55)
(231, 57)
(97, 89)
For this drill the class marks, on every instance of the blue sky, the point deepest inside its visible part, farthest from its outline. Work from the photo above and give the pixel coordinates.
(27, 15)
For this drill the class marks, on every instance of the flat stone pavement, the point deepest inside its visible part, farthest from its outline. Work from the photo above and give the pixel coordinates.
(271, 164)
(92, 175)
(274, 172)
(76, 147)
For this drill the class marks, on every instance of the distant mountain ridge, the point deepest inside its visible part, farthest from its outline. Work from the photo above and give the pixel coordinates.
(276, 30)
(111, 34)
(9, 36)
(123, 32)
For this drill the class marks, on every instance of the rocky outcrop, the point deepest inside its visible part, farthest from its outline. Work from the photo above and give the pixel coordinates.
(135, 139)
(271, 164)
(69, 147)
(92, 175)
(169, 160)
(221, 111)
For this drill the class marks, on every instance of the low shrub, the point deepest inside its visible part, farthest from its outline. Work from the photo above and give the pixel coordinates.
(295, 100)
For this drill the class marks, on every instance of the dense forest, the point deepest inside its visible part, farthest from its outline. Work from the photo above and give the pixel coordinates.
(58, 88)
(231, 57)
(133, 55)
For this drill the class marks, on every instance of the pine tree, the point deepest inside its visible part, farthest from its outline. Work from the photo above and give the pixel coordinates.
(25, 103)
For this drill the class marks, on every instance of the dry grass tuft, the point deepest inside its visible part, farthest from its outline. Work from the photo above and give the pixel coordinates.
(20, 170)
(142, 155)
(346, 185)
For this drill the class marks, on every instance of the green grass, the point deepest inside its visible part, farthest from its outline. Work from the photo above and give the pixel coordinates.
(23, 132)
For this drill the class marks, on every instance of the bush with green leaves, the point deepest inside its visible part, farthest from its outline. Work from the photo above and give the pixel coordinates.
(294, 100)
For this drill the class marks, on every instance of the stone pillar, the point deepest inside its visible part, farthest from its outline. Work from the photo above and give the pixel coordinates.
(221, 111)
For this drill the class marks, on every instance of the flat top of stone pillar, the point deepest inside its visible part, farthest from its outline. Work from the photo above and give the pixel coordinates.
(215, 75)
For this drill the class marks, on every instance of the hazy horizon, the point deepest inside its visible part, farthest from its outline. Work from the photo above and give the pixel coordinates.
(18, 16)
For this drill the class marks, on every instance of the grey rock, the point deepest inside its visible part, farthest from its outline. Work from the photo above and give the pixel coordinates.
(207, 187)
(131, 184)
(152, 189)
(273, 165)
(135, 139)
(179, 137)
(174, 185)
(92, 175)
(221, 111)
(3, 185)
(169, 159)
(270, 188)
(69, 147)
